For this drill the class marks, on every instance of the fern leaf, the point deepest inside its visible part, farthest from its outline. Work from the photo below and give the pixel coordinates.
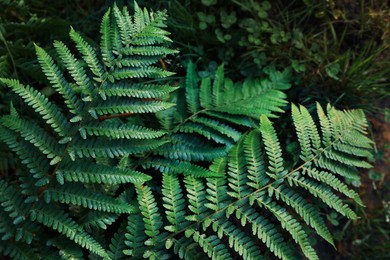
(37, 164)
(145, 72)
(196, 198)
(237, 172)
(117, 244)
(19, 251)
(218, 86)
(89, 55)
(60, 221)
(123, 24)
(217, 192)
(78, 195)
(106, 45)
(98, 220)
(180, 167)
(211, 245)
(35, 135)
(49, 112)
(205, 94)
(191, 153)
(325, 194)
(94, 173)
(152, 220)
(238, 240)
(266, 232)
(333, 182)
(138, 90)
(115, 148)
(306, 210)
(192, 91)
(303, 136)
(206, 132)
(219, 127)
(115, 130)
(57, 80)
(174, 203)
(289, 223)
(255, 160)
(135, 237)
(130, 107)
(74, 67)
(337, 168)
(273, 149)
(12, 203)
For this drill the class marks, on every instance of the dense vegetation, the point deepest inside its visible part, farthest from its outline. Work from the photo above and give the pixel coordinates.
(194, 129)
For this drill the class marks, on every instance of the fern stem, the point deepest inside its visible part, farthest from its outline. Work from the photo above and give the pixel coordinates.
(102, 118)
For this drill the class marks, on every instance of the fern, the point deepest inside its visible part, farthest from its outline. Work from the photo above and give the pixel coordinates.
(90, 157)
(217, 109)
(258, 192)
(216, 114)
(70, 152)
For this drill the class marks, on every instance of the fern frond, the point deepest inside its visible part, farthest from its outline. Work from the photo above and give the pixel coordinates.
(106, 44)
(325, 194)
(266, 232)
(98, 220)
(219, 108)
(258, 190)
(238, 240)
(255, 162)
(307, 211)
(74, 67)
(34, 135)
(137, 90)
(57, 80)
(117, 244)
(211, 245)
(71, 174)
(115, 130)
(289, 223)
(217, 192)
(333, 182)
(143, 72)
(152, 220)
(272, 148)
(237, 172)
(174, 202)
(12, 203)
(95, 173)
(78, 195)
(196, 198)
(303, 136)
(89, 55)
(49, 111)
(180, 167)
(115, 148)
(135, 236)
(129, 106)
(61, 222)
(192, 90)
(37, 163)
(183, 151)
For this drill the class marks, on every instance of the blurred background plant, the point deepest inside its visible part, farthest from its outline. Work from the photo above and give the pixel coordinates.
(337, 50)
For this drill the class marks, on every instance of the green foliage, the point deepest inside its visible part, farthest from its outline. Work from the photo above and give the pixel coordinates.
(258, 200)
(65, 150)
(337, 50)
(117, 164)
(217, 111)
